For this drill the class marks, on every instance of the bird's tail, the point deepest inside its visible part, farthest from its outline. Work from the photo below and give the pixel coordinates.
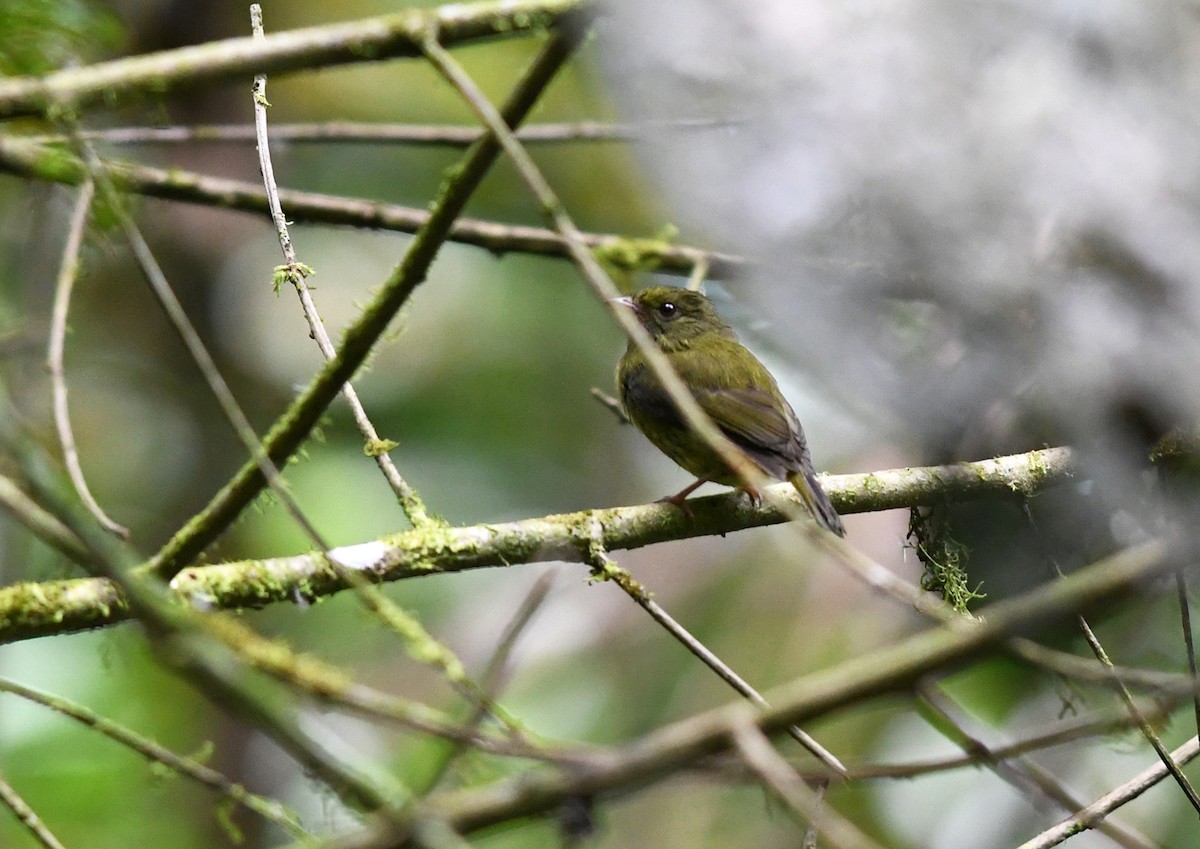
(817, 501)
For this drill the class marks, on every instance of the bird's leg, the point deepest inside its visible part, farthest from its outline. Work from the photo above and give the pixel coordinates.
(679, 499)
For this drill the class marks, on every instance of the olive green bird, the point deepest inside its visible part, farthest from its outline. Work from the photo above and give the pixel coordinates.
(731, 386)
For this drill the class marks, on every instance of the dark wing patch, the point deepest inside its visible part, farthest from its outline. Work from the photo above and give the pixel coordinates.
(753, 421)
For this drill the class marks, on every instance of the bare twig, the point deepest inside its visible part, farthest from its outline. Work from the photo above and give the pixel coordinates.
(1185, 617)
(43, 524)
(67, 272)
(352, 132)
(28, 817)
(1021, 773)
(269, 809)
(605, 567)
(805, 804)
(295, 273)
(490, 685)
(1109, 802)
(1143, 724)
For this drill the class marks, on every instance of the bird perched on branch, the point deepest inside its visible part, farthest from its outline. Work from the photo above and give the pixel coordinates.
(730, 385)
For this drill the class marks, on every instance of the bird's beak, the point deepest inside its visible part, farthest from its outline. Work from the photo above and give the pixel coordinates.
(627, 301)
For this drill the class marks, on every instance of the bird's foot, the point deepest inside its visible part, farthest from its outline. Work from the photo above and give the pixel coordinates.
(679, 499)
(753, 494)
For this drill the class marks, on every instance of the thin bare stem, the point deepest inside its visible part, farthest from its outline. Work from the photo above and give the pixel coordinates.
(295, 273)
(699, 274)
(43, 524)
(1088, 817)
(269, 809)
(67, 272)
(182, 325)
(352, 132)
(1021, 773)
(1185, 616)
(1118, 684)
(605, 567)
(28, 817)
(490, 686)
(806, 805)
(1143, 724)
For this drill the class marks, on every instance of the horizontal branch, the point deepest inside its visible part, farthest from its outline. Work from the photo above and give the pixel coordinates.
(43, 162)
(374, 132)
(370, 39)
(57, 607)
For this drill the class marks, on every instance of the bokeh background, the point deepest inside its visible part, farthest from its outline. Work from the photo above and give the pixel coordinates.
(972, 232)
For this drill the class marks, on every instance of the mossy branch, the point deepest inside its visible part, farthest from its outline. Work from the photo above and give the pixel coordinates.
(25, 158)
(370, 39)
(55, 607)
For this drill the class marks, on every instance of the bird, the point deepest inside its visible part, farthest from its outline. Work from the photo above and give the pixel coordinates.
(731, 386)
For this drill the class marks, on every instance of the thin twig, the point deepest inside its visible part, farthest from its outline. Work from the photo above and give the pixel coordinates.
(353, 132)
(1111, 801)
(295, 272)
(1117, 683)
(195, 346)
(490, 682)
(699, 274)
(611, 404)
(1143, 724)
(806, 805)
(605, 567)
(422, 645)
(1021, 773)
(28, 817)
(1185, 616)
(67, 272)
(43, 524)
(270, 809)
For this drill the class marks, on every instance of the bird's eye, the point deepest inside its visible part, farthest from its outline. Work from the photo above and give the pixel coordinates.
(667, 310)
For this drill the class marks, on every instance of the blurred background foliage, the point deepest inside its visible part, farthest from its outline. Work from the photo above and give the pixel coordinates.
(485, 381)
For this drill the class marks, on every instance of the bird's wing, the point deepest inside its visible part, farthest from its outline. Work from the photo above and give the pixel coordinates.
(748, 416)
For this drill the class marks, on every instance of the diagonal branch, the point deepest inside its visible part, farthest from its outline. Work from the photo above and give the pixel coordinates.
(286, 436)
(896, 668)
